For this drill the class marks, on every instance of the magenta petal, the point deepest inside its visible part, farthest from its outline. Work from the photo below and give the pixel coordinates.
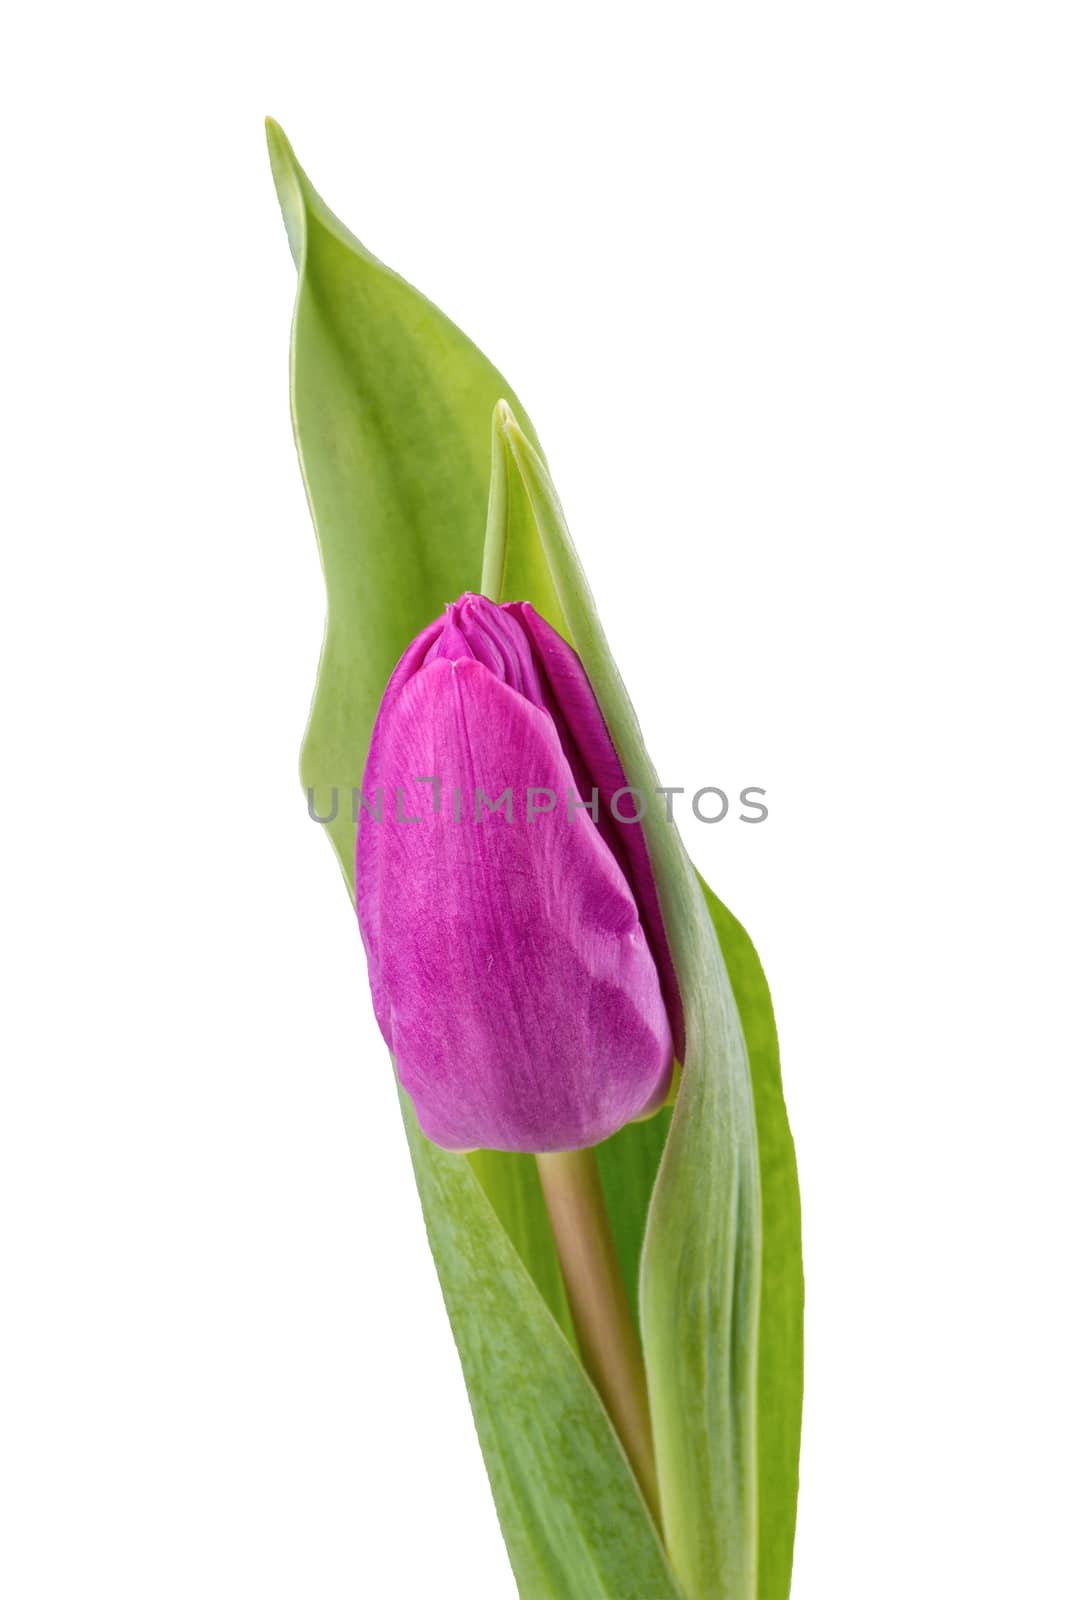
(510, 970)
(577, 709)
(367, 861)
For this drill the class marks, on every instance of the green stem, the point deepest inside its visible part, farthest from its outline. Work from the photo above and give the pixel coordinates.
(606, 1332)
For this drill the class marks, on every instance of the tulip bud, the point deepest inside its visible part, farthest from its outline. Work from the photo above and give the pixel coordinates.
(518, 964)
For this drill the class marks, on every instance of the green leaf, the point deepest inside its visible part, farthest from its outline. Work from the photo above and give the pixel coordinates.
(693, 1307)
(514, 566)
(392, 410)
(514, 1187)
(574, 1521)
(781, 1332)
(700, 1276)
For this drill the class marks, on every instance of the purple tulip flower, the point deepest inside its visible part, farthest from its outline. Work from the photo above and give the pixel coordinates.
(518, 963)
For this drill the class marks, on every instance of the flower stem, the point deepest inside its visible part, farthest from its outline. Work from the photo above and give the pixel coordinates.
(597, 1295)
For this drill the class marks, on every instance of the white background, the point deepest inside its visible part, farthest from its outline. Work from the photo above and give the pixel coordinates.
(784, 290)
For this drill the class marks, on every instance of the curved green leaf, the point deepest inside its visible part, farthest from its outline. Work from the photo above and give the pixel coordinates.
(699, 1288)
(781, 1331)
(574, 1520)
(392, 410)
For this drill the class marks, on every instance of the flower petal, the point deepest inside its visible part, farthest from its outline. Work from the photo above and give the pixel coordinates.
(510, 970)
(577, 709)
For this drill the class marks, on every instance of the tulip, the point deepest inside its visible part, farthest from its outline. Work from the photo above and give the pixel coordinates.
(518, 964)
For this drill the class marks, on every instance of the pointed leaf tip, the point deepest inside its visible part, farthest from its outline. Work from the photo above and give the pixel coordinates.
(285, 169)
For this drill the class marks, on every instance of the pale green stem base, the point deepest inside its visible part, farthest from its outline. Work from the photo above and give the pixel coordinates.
(608, 1338)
